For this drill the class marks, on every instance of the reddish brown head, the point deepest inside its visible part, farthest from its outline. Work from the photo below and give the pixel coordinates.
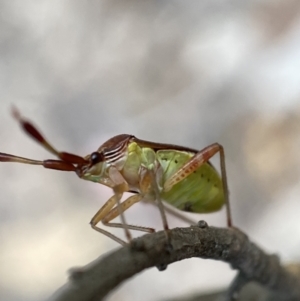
(112, 152)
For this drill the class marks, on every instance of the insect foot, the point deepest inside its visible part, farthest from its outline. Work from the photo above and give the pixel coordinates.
(162, 267)
(137, 245)
(202, 224)
(168, 249)
(76, 274)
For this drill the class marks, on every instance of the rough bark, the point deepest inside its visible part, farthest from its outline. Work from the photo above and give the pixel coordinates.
(96, 280)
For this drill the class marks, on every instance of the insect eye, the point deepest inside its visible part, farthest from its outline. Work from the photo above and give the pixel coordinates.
(96, 158)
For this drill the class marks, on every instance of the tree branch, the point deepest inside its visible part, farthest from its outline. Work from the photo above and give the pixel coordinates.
(95, 281)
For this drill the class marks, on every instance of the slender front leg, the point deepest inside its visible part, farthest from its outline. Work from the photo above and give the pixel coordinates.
(124, 206)
(120, 187)
(100, 215)
(108, 212)
(194, 163)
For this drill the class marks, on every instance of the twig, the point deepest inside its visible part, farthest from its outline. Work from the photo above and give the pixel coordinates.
(95, 281)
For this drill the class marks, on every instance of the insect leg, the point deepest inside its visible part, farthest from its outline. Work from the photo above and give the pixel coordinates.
(108, 212)
(148, 185)
(103, 211)
(124, 206)
(176, 213)
(120, 187)
(194, 163)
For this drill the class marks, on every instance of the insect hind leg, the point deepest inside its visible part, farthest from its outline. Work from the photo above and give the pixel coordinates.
(194, 163)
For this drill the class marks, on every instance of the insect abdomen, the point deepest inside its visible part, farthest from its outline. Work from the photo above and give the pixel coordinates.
(200, 192)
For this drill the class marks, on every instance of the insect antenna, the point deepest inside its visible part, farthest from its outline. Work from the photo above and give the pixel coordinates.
(34, 133)
(51, 164)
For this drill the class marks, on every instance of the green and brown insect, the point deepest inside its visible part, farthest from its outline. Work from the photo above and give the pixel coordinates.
(180, 176)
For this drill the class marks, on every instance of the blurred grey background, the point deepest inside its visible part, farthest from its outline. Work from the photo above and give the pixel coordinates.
(182, 72)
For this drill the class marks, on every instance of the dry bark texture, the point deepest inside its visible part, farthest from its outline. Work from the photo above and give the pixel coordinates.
(272, 281)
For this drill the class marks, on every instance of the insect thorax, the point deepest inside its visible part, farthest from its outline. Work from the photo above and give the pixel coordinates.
(201, 191)
(163, 163)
